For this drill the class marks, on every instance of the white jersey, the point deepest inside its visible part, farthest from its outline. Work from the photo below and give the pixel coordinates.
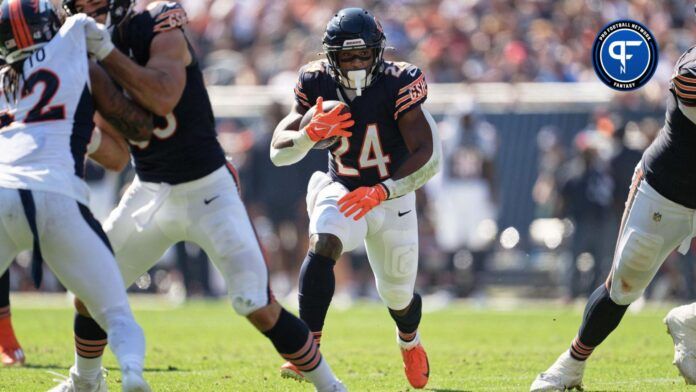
(44, 133)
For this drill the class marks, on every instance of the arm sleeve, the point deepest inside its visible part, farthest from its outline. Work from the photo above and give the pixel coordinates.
(301, 144)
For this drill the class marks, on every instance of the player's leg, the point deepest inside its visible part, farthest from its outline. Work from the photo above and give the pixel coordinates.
(135, 252)
(331, 234)
(79, 253)
(392, 249)
(651, 229)
(223, 229)
(10, 351)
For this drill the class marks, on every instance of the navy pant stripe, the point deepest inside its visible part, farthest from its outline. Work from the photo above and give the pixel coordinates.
(95, 225)
(36, 258)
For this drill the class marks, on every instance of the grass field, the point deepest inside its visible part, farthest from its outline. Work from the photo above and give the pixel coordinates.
(203, 346)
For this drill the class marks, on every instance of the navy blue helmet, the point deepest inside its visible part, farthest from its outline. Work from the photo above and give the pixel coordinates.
(354, 28)
(26, 25)
(115, 10)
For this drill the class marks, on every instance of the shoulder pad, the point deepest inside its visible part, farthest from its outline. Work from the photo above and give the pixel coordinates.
(308, 82)
(167, 15)
(315, 66)
(684, 79)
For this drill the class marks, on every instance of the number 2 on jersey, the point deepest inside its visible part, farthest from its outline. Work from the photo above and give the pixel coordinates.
(41, 111)
(371, 155)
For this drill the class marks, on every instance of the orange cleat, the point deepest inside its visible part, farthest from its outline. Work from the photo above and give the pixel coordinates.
(416, 366)
(11, 353)
(289, 370)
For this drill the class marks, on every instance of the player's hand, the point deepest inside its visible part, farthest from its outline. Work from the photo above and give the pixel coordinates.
(362, 200)
(99, 43)
(330, 124)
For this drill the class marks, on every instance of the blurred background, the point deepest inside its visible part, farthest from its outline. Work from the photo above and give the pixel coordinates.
(538, 154)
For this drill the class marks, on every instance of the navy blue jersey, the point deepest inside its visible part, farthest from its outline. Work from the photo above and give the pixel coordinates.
(184, 145)
(376, 149)
(669, 162)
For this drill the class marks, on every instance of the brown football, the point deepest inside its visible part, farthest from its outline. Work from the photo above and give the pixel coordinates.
(327, 106)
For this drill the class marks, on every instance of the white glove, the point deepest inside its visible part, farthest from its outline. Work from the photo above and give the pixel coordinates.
(99, 43)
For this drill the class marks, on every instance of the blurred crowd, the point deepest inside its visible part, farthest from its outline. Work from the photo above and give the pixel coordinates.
(581, 182)
(266, 41)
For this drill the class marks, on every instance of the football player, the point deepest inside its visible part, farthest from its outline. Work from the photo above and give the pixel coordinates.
(660, 216)
(50, 91)
(184, 189)
(387, 149)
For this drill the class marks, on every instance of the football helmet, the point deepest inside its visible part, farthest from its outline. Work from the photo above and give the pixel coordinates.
(115, 10)
(354, 28)
(25, 26)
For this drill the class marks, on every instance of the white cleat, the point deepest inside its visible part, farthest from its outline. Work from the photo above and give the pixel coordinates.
(684, 337)
(336, 387)
(134, 382)
(73, 383)
(565, 374)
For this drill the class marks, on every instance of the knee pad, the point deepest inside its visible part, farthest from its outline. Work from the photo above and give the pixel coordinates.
(247, 292)
(395, 296)
(244, 305)
(326, 245)
(636, 266)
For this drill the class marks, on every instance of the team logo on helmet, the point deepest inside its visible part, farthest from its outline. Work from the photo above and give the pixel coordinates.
(625, 55)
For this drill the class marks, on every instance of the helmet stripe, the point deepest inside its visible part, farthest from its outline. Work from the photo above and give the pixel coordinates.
(20, 29)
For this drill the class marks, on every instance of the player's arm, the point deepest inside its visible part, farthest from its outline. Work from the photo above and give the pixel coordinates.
(107, 147)
(158, 86)
(420, 135)
(289, 145)
(126, 117)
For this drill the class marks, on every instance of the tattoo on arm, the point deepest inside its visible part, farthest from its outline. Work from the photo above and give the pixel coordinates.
(130, 120)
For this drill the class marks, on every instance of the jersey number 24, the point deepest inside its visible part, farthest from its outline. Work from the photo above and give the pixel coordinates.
(371, 155)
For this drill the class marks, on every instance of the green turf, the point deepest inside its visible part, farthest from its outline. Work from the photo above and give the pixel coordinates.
(205, 347)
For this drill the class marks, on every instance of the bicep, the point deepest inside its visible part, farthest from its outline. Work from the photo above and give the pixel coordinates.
(416, 130)
(170, 55)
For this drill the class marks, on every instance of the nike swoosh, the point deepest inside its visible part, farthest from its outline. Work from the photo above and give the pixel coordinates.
(208, 201)
(403, 213)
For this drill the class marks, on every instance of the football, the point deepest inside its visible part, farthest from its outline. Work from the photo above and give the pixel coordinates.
(327, 106)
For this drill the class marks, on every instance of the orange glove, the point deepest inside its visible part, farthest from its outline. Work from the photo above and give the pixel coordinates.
(327, 125)
(362, 200)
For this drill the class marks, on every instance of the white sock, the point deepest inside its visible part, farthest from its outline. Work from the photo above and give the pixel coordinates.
(407, 345)
(322, 376)
(87, 368)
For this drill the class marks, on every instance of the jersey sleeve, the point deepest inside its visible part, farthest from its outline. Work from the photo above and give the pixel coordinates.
(167, 15)
(307, 87)
(412, 90)
(684, 86)
(683, 81)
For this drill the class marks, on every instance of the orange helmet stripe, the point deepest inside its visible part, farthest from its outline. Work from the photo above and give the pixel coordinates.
(20, 29)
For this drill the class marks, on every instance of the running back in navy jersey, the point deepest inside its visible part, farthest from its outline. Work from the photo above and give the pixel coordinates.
(669, 162)
(376, 149)
(184, 144)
